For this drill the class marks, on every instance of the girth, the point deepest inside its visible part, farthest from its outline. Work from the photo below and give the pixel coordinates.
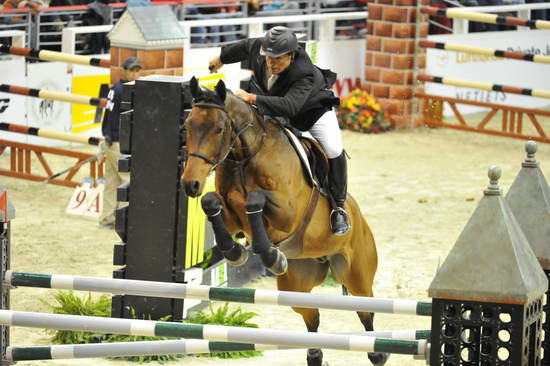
(293, 246)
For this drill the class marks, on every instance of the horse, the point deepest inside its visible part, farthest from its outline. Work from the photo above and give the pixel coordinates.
(261, 190)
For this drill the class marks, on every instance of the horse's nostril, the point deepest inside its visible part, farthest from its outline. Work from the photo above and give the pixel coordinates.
(192, 188)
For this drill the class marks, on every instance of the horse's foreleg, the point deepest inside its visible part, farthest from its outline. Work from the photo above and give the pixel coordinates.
(303, 275)
(272, 258)
(235, 253)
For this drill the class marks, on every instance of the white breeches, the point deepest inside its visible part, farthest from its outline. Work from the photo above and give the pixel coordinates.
(327, 132)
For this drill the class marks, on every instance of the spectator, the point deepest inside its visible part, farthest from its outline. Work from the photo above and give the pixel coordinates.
(445, 22)
(99, 13)
(110, 146)
(33, 5)
(138, 3)
(286, 7)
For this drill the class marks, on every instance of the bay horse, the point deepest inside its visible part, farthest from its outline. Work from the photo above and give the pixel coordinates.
(262, 191)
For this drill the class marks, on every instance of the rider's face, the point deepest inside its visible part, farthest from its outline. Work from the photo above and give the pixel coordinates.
(276, 65)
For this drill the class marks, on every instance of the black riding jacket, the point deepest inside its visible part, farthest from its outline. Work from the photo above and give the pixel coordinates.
(301, 93)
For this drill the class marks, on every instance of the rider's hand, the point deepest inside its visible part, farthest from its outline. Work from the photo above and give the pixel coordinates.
(215, 64)
(247, 97)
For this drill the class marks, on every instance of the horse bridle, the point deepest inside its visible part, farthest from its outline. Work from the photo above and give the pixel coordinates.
(218, 159)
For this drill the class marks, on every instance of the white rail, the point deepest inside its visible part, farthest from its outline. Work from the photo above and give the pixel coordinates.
(460, 26)
(17, 37)
(326, 21)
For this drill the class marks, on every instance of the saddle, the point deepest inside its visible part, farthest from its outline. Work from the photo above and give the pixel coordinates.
(314, 160)
(315, 166)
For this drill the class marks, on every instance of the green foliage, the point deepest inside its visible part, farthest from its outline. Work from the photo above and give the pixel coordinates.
(222, 316)
(71, 304)
(207, 261)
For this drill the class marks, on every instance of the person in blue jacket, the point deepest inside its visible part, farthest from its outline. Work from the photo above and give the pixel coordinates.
(110, 146)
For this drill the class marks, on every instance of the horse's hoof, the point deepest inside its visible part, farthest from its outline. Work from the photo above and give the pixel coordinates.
(280, 266)
(315, 357)
(243, 257)
(378, 359)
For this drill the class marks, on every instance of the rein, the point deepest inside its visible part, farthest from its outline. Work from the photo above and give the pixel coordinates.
(218, 159)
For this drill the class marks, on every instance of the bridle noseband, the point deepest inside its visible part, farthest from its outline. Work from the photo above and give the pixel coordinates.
(219, 159)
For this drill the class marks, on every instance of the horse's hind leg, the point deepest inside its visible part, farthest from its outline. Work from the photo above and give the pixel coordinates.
(272, 258)
(235, 253)
(358, 279)
(303, 275)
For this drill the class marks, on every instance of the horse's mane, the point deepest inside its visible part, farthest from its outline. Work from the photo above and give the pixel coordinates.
(210, 96)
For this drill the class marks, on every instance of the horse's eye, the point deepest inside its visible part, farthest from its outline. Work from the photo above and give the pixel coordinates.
(219, 130)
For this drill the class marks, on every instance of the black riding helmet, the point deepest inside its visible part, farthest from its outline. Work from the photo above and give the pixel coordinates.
(279, 41)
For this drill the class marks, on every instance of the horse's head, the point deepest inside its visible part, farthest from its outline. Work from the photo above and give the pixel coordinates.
(208, 136)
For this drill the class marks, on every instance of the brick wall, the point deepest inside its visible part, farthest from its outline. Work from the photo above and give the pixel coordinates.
(165, 62)
(389, 60)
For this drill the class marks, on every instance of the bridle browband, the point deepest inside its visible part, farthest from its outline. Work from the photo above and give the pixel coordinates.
(218, 159)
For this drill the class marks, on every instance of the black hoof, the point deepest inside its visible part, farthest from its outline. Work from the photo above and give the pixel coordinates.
(238, 256)
(314, 357)
(280, 266)
(211, 204)
(378, 359)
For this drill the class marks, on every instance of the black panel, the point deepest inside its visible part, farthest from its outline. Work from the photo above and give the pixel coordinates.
(125, 132)
(153, 207)
(123, 192)
(124, 164)
(121, 223)
(119, 254)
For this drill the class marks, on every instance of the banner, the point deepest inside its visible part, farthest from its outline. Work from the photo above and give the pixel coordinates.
(87, 80)
(491, 69)
(12, 106)
(49, 114)
(347, 59)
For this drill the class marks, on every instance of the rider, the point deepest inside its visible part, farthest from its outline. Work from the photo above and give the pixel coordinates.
(287, 84)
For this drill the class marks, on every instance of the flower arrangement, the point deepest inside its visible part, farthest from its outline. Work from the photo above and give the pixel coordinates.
(360, 112)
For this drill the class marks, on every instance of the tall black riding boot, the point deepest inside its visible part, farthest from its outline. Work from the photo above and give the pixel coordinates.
(338, 182)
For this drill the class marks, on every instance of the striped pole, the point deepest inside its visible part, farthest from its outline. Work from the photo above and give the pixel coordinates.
(53, 95)
(484, 86)
(485, 51)
(148, 348)
(46, 55)
(201, 292)
(211, 332)
(42, 132)
(123, 349)
(485, 18)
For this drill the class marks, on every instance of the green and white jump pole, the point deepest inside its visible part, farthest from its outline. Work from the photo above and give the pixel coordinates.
(149, 348)
(201, 292)
(212, 332)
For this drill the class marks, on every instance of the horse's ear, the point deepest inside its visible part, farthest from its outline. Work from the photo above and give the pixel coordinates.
(195, 88)
(221, 90)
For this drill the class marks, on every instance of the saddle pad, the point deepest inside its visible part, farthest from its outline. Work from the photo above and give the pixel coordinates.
(301, 154)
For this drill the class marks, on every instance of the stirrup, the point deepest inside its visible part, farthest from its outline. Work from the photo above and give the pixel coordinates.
(345, 227)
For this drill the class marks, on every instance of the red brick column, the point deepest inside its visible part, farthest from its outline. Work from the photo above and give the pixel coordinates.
(391, 26)
(164, 62)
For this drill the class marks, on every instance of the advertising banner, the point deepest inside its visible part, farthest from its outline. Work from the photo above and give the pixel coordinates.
(347, 59)
(87, 80)
(490, 69)
(12, 106)
(49, 114)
